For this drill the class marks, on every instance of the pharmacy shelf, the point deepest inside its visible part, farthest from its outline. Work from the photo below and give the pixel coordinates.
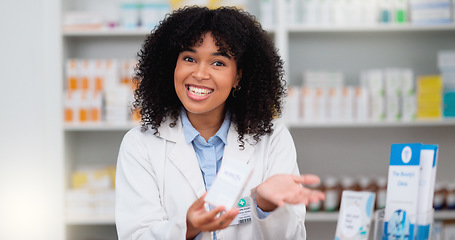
(371, 124)
(91, 220)
(105, 32)
(333, 216)
(371, 28)
(310, 217)
(321, 217)
(116, 32)
(75, 127)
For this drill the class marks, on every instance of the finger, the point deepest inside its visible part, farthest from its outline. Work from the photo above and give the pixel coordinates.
(200, 201)
(225, 219)
(213, 214)
(309, 179)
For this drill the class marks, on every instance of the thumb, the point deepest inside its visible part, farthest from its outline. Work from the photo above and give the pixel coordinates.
(200, 201)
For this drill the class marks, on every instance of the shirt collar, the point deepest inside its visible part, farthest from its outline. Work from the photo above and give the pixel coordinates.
(191, 133)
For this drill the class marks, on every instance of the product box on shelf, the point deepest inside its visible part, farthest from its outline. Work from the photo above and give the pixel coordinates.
(424, 12)
(99, 90)
(429, 97)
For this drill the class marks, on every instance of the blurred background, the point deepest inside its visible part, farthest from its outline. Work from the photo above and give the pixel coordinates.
(361, 74)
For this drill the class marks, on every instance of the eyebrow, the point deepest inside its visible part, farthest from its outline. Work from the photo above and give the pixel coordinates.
(213, 54)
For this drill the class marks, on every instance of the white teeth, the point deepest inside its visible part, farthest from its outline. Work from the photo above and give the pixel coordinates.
(199, 91)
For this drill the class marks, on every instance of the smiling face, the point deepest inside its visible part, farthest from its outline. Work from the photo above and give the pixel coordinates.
(204, 77)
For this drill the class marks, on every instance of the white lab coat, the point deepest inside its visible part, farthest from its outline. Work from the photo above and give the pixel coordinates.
(158, 178)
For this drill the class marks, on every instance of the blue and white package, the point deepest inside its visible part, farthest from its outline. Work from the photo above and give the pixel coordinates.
(356, 212)
(428, 165)
(402, 192)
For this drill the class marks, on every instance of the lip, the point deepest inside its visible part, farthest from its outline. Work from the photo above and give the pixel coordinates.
(198, 97)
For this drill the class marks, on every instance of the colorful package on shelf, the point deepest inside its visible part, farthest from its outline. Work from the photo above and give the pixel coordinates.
(82, 20)
(429, 97)
(152, 12)
(449, 103)
(95, 89)
(427, 12)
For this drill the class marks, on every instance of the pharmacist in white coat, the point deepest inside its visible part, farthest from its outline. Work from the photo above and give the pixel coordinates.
(220, 107)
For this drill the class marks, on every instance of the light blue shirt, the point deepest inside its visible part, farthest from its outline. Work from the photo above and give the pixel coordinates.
(210, 153)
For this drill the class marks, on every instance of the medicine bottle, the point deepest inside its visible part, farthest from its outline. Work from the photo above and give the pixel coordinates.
(366, 184)
(348, 184)
(439, 196)
(381, 192)
(315, 206)
(332, 194)
(450, 197)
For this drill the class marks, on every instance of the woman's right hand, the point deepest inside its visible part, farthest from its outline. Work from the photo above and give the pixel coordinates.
(198, 219)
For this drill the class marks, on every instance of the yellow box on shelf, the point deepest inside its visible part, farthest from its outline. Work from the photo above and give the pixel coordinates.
(429, 113)
(430, 98)
(429, 83)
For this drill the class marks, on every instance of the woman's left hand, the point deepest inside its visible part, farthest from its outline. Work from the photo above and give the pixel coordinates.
(286, 188)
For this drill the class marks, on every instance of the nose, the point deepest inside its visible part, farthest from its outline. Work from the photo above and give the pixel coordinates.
(201, 72)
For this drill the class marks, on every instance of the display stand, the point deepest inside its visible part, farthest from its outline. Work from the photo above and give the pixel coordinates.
(403, 230)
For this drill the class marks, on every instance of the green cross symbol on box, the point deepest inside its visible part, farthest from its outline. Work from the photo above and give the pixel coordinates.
(242, 203)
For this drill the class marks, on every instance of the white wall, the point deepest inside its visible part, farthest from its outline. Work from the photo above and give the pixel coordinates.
(31, 170)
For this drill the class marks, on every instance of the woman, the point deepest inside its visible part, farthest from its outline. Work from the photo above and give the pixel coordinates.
(209, 89)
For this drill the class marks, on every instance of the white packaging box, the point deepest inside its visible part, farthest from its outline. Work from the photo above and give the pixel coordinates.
(408, 83)
(152, 12)
(339, 12)
(347, 104)
(82, 20)
(374, 81)
(428, 166)
(361, 104)
(79, 203)
(229, 184)
(129, 14)
(356, 211)
(292, 11)
(323, 79)
(408, 107)
(430, 11)
(321, 104)
(325, 12)
(369, 12)
(393, 107)
(377, 107)
(104, 202)
(267, 13)
(118, 104)
(393, 81)
(446, 60)
(335, 108)
(307, 104)
(292, 111)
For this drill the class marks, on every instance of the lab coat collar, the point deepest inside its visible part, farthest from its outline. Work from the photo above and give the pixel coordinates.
(184, 157)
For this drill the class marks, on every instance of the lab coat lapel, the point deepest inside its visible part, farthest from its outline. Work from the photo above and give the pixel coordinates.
(232, 149)
(184, 158)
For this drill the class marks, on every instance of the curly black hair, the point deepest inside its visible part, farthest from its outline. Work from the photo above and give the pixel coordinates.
(262, 88)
